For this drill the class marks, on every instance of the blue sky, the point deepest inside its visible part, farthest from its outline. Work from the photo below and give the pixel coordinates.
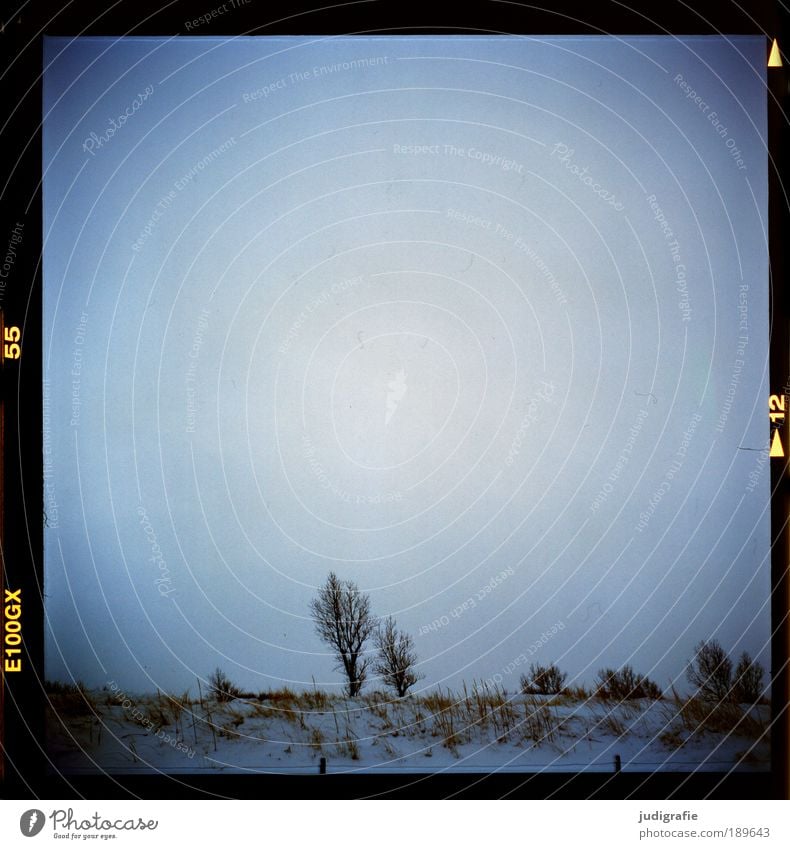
(456, 318)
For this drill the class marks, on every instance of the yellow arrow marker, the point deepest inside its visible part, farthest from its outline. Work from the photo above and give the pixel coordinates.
(776, 446)
(775, 58)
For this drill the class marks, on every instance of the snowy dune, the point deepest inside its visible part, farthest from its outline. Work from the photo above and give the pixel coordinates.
(477, 731)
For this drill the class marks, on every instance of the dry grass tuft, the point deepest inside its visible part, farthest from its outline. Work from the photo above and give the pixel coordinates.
(73, 700)
(348, 746)
(438, 701)
(316, 740)
(540, 723)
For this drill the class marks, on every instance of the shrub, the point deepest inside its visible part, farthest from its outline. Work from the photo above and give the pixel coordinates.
(747, 685)
(651, 690)
(221, 687)
(620, 684)
(543, 680)
(710, 671)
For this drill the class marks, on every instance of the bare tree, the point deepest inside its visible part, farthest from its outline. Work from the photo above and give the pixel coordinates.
(748, 680)
(711, 671)
(344, 622)
(396, 657)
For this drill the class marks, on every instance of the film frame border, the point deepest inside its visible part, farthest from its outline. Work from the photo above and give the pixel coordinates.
(23, 769)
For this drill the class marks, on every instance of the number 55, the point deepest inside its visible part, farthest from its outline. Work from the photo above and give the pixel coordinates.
(11, 349)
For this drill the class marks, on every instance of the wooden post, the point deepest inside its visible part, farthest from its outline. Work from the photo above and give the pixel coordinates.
(322, 766)
(617, 763)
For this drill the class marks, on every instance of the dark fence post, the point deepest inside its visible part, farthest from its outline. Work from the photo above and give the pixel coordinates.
(322, 766)
(617, 763)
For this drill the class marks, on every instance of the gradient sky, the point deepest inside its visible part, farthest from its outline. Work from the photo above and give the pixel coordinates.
(418, 368)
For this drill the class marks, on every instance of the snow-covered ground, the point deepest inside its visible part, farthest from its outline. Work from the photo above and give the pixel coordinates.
(104, 732)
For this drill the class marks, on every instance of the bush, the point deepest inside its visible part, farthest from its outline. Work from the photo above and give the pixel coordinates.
(620, 684)
(221, 687)
(710, 671)
(543, 680)
(651, 690)
(747, 687)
